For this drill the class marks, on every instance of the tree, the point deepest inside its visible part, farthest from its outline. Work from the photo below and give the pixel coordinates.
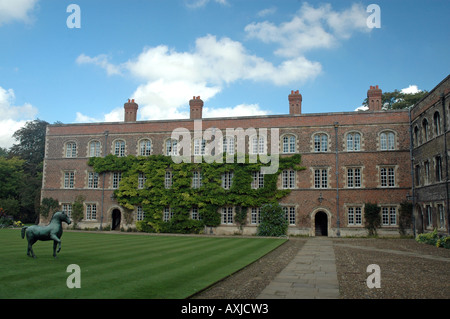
(78, 210)
(372, 218)
(272, 221)
(397, 100)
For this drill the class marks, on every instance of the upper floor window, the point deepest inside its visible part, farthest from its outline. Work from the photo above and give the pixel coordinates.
(92, 180)
(288, 179)
(321, 178)
(199, 146)
(438, 169)
(258, 180)
(171, 147)
(141, 180)
(387, 141)
(425, 129)
(354, 177)
(387, 175)
(168, 179)
(71, 149)
(320, 142)
(197, 179)
(69, 179)
(437, 123)
(416, 136)
(94, 149)
(353, 141)
(288, 144)
(258, 145)
(145, 147)
(119, 148)
(227, 180)
(228, 145)
(117, 177)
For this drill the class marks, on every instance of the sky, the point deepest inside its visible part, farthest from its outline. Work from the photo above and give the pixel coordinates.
(79, 61)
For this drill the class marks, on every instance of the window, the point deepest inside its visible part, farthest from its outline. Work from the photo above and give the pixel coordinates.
(194, 213)
(288, 179)
(168, 214)
(141, 180)
(438, 169)
(417, 175)
(256, 215)
(289, 144)
(320, 143)
(119, 148)
(171, 147)
(429, 216)
(437, 123)
(199, 147)
(94, 149)
(227, 180)
(321, 178)
(93, 180)
(168, 179)
(354, 216)
(441, 212)
(228, 145)
(145, 147)
(140, 214)
(71, 149)
(425, 129)
(353, 177)
(117, 177)
(416, 136)
(388, 216)
(69, 179)
(197, 179)
(227, 215)
(387, 177)
(289, 213)
(353, 142)
(91, 211)
(258, 145)
(387, 141)
(67, 209)
(258, 180)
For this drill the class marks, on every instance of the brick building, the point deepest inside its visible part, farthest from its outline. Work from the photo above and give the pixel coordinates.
(430, 123)
(351, 158)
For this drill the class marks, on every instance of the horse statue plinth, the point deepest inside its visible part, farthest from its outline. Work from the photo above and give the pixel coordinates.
(53, 231)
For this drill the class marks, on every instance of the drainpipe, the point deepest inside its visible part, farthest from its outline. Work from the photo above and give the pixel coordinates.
(338, 222)
(446, 160)
(413, 188)
(104, 177)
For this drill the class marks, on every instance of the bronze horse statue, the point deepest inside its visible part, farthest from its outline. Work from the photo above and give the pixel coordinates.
(53, 231)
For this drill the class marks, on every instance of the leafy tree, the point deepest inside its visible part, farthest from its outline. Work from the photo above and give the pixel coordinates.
(272, 221)
(11, 177)
(49, 205)
(372, 218)
(78, 210)
(397, 100)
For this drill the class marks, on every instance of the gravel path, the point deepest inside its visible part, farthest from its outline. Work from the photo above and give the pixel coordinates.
(408, 270)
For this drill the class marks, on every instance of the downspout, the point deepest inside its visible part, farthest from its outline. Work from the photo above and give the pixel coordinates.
(413, 188)
(446, 161)
(338, 222)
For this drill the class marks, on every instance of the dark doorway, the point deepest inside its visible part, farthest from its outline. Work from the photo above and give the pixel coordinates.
(115, 219)
(321, 223)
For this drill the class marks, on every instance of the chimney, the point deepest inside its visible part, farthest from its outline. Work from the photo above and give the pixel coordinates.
(374, 98)
(196, 107)
(130, 109)
(295, 103)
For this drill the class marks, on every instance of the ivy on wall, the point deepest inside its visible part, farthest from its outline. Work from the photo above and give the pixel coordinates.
(181, 197)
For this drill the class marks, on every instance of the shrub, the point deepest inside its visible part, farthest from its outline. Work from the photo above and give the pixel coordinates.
(428, 238)
(272, 221)
(372, 218)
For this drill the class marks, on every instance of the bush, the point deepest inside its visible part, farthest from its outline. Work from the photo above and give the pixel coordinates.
(434, 239)
(272, 221)
(372, 218)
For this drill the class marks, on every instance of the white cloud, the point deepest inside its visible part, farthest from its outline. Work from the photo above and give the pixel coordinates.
(201, 3)
(266, 12)
(116, 115)
(101, 61)
(310, 28)
(238, 110)
(412, 89)
(13, 117)
(11, 10)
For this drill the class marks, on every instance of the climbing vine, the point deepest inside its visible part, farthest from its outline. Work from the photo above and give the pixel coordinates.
(181, 197)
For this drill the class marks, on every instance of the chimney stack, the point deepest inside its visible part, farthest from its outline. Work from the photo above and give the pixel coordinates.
(374, 98)
(130, 109)
(295, 103)
(196, 107)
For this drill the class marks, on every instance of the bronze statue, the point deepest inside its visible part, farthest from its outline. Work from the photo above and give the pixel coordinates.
(53, 231)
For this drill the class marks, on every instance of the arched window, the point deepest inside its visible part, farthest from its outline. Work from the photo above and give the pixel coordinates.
(425, 129)
(94, 149)
(199, 146)
(171, 147)
(320, 142)
(258, 145)
(288, 144)
(145, 147)
(416, 136)
(119, 148)
(353, 141)
(387, 141)
(71, 149)
(437, 123)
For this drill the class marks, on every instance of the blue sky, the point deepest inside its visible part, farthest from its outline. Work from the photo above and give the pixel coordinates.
(243, 57)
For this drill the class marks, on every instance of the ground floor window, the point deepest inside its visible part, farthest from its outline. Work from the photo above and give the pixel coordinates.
(91, 211)
(289, 213)
(67, 209)
(256, 215)
(354, 215)
(388, 216)
(227, 215)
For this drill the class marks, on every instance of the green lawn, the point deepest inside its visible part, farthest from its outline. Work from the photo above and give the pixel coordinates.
(123, 265)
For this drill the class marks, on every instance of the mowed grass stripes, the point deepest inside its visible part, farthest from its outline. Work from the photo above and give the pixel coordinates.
(123, 265)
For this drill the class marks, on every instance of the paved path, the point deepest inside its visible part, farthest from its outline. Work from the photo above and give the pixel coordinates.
(311, 274)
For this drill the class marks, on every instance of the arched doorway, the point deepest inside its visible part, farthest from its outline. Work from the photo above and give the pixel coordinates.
(321, 224)
(115, 219)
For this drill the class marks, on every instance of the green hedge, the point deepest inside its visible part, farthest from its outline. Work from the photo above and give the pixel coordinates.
(434, 239)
